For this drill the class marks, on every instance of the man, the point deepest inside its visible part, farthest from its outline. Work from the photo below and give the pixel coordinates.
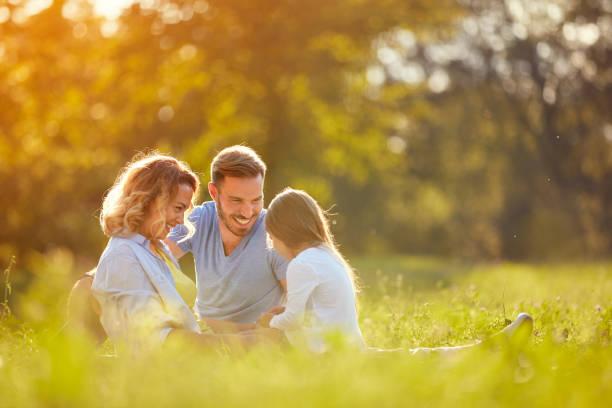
(237, 276)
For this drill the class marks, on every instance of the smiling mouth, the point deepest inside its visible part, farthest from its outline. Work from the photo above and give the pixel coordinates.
(243, 221)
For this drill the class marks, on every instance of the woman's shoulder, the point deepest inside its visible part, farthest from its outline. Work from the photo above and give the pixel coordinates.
(118, 264)
(119, 249)
(120, 244)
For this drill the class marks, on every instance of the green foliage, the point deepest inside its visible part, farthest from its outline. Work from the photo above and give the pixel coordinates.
(43, 303)
(517, 139)
(278, 76)
(508, 159)
(406, 302)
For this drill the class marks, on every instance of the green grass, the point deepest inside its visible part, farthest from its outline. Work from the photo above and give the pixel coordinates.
(406, 302)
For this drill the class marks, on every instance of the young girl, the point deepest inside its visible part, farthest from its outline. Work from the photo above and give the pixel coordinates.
(320, 283)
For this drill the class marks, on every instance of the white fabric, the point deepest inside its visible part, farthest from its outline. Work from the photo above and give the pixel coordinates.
(139, 301)
(319, 288)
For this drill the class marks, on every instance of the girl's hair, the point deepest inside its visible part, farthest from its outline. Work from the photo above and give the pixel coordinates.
(145, 178)
(295, 218)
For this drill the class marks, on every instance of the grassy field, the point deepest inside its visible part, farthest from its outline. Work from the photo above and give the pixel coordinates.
(405, 302)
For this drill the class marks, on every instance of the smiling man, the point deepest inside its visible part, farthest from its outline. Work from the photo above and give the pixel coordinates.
(237, 276)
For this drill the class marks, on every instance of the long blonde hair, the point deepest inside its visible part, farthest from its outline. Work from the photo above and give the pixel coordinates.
(144, 179)
(295, 218)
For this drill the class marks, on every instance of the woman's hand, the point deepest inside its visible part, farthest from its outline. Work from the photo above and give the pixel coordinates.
(264, 319)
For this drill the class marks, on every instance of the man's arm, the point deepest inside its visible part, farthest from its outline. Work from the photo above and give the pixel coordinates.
(283, 283)
(177, 252)
(180, 233)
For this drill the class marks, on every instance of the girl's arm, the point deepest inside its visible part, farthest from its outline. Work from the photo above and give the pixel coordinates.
(301, 282)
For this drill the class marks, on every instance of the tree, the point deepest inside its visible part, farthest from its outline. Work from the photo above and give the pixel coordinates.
(190, 77)
(526, 140)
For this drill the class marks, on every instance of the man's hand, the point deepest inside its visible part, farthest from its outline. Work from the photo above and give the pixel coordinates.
(264, 319)
(276, 310)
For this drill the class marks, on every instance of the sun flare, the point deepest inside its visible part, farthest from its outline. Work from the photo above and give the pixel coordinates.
(110, 9)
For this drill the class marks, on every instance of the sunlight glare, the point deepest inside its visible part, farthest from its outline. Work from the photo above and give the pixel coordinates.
(36, 6)
(5, 14)
(111, 9)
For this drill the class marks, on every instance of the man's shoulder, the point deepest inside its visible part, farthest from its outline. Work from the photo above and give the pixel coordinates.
(207, 207)
(204, 212)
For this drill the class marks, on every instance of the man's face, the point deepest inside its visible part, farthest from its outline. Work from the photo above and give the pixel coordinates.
(239, 202)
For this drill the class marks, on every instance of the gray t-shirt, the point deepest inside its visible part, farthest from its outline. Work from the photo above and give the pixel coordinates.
(238, 287)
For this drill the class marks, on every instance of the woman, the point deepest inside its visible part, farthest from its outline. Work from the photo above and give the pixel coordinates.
(133, 284)
(320, 283)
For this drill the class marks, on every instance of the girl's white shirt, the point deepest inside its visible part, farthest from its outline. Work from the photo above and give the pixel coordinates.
(319, 288)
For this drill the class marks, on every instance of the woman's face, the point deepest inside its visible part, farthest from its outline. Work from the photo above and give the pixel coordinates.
(174, 214)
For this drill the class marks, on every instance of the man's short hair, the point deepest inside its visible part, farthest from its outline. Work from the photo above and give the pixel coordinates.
(236, 161)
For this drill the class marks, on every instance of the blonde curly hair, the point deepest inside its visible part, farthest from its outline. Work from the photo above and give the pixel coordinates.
(146, 178)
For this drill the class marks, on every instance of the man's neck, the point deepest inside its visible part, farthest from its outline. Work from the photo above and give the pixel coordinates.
(228, 238)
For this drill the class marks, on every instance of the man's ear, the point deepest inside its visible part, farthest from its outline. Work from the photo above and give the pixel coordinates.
(212, 190)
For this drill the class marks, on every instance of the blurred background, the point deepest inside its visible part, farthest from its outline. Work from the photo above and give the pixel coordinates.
(470, 129)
